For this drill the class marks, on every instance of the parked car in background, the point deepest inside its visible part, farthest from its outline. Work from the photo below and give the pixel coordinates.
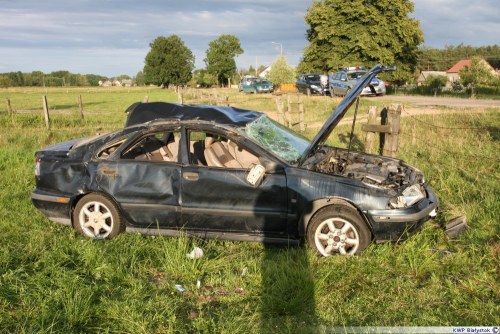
(245, 80)
(256, 85)
(311, 84)
(343, 81)
(230, 173)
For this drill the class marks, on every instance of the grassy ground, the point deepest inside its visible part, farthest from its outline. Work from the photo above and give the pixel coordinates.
(54, 281)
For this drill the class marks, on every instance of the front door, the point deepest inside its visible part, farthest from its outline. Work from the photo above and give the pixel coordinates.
(216, 196)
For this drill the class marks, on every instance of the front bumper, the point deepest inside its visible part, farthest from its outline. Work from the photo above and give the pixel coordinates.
(393, 224)
(54, 206)
(379, 90)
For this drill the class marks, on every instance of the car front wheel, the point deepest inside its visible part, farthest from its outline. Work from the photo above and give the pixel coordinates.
(95, 216)
(338, 229)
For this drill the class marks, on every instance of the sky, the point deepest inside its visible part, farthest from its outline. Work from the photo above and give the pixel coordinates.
(110, 37)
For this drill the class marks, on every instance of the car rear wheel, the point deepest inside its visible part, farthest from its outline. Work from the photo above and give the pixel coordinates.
(338, 229)
(95, 216)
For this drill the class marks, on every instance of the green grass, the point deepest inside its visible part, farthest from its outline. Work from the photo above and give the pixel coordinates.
(54, 281)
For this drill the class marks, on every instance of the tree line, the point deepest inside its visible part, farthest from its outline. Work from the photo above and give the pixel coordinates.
(340, 34)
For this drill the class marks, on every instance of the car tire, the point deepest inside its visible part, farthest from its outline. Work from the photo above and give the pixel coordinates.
(96, 216)
(338, 229)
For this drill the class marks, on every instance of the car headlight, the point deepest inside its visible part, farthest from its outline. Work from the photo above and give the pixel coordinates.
(409, 196)
(314, 87)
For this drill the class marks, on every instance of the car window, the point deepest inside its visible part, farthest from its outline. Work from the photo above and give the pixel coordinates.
(338, 75)
(215, 150)
(159, 146)
(109, 149)
(356, 75)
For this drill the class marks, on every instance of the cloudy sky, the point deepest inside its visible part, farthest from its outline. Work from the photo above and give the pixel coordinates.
(111, 37)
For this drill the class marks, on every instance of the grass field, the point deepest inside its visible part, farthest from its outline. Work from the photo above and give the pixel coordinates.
(54, 281)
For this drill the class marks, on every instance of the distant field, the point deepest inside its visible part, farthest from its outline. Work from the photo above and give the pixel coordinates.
(54, 281)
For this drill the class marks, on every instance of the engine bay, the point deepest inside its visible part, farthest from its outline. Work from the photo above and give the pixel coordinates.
(374, 170)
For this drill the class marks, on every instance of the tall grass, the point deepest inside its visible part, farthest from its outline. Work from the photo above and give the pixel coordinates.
(54, 281)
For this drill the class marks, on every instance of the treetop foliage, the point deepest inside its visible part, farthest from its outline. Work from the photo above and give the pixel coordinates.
(362, 32)
(169, 61)
(281, 72)
(220, 57)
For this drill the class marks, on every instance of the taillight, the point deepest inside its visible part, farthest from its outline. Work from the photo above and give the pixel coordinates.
(37, 167)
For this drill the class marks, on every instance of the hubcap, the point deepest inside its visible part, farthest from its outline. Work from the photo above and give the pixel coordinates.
(336, 235)
(96, 220)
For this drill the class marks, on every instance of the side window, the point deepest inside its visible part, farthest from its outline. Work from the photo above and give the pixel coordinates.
(109, 149)
(158, 146)
(337, 76)
(213, 150)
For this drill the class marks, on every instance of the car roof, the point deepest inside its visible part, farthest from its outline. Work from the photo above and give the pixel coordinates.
(139, 113)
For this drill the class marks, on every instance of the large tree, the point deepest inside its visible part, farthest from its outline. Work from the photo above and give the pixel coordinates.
(169, 62)
(220, 57)
(362, 32)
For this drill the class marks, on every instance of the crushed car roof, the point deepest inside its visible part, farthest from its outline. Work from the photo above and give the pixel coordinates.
(139, 113)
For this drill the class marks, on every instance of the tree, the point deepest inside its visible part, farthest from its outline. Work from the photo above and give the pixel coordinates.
(436, 82)
(139, 79)
(281, 72)
(475, 75)
(220, 57)
(168, 62)
(362, 32)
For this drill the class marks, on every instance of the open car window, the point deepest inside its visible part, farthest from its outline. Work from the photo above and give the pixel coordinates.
(159, 146)
(214, 150)
(105, 152)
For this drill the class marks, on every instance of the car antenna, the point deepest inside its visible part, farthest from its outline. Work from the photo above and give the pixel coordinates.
(352, 130)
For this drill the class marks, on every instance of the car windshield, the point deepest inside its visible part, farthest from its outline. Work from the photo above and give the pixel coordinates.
(276, 138)
(355, 75)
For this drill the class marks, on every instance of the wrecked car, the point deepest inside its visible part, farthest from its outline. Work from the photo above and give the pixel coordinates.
(230, 173)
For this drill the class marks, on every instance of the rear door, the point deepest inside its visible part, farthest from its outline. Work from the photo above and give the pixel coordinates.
(144, 178)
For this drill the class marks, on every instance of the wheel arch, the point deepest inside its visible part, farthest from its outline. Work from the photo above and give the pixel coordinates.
(321, 203)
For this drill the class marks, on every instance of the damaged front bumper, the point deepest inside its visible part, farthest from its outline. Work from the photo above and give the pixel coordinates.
(56, 207)
(392, 224)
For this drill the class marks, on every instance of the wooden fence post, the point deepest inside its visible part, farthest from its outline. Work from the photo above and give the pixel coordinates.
(288, 112)
(370, 136)
(279, 105)
(301, 113)
(146, 99)
(9, 107)
(394, 119)
(80, 105)
(46, 112)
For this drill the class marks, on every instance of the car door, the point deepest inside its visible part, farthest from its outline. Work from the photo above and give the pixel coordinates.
(219, 198)
(145, 180)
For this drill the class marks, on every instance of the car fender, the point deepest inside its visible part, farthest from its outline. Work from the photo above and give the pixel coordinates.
(319, 204)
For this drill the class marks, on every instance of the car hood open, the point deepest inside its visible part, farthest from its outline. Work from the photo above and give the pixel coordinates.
(341, 110)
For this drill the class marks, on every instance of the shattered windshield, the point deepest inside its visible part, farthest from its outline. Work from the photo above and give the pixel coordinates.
(276, 138)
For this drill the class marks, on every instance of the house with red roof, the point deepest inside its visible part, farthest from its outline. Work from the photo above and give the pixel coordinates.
(453, 75)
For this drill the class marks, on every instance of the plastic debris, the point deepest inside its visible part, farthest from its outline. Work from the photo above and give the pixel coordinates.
(244, 272)
(198, 284)
(455, 227)
(196, 253)
(180, 288)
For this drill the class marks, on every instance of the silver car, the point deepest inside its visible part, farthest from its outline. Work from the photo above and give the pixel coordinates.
(343, 81)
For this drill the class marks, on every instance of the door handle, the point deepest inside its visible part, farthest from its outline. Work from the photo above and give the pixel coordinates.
(191, 176)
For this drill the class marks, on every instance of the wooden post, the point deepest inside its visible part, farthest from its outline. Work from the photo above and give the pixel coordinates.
(227, 100)
(301, 113)
(394, 122)
(279, 105)
(9, 107)
(146, 99)
(382, 136)
(80, 105)
(288, 112)
(370, 136)
(46, 112)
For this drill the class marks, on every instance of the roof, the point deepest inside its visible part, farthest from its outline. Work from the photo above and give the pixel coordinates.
(139, 113)
(459, 65)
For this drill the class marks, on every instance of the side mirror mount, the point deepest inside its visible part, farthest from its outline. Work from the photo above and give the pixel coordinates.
(270, 166)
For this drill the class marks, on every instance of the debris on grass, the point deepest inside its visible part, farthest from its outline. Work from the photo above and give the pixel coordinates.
(180, 288)
(455, 227)
(196, 253)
